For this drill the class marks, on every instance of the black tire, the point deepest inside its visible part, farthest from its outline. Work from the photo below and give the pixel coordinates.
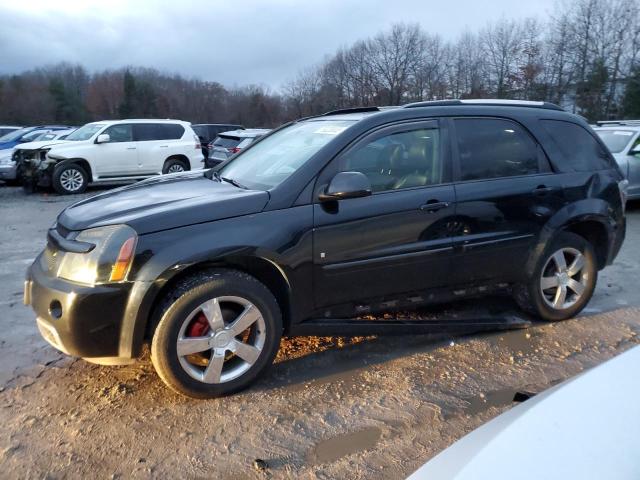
(174, 313)
(63, 172)
(174, 163)
(530, 295)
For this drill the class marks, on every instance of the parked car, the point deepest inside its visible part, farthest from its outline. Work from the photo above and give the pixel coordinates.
(323, 220)
(230, 143)
(17, 137)
(207, 132)
(25, 153)
(585, 428)
(118, 150)
(622, 138)
(4, 129)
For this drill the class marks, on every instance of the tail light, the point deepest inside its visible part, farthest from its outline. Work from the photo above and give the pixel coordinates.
(623, 187)
(234, 149)
(198, 146)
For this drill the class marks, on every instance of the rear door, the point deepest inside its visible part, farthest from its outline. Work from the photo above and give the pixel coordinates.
(156, 143)
(505, 193)
(396, 240)
(119, 156)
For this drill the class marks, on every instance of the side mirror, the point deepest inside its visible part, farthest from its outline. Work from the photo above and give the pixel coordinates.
(103, 138)
(635, 150)
(347, 185)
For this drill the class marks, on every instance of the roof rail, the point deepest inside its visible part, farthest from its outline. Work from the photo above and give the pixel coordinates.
(486, 102)
(604, 123)
(351, 110)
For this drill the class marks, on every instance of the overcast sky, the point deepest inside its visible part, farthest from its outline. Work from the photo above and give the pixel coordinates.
(233, 42)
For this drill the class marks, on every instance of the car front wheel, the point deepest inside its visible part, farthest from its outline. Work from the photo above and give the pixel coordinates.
(563, 281)
(218, 331)
(68, 179)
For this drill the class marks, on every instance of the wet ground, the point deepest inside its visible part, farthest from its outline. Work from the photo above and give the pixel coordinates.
(330, 407)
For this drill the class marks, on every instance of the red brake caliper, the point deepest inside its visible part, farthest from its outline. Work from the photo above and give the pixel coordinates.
(199, 327)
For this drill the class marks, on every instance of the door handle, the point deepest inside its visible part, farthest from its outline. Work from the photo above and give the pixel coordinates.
(131, 148)
(433, 206)
(542, 190)
(164, 146)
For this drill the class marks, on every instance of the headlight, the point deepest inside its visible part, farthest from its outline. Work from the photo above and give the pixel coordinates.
(109, 261)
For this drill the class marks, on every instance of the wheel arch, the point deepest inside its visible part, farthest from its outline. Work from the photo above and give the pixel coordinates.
(178, 156)
(84, 163)
(263, 269)
(588, 218)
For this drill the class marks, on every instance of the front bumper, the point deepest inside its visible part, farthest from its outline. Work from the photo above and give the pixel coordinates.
(78, 320)
(8, 171)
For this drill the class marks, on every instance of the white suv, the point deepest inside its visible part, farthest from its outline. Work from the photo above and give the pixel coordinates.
(119, 150)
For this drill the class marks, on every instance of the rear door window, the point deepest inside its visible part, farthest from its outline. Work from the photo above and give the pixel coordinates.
(494, 148)
(580, 149)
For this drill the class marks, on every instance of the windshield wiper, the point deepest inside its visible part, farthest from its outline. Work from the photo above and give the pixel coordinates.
(233, 182)
(216, 175)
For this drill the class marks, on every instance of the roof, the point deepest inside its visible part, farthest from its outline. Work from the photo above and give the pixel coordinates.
(246, 133)
(142, 120)
(358, 113)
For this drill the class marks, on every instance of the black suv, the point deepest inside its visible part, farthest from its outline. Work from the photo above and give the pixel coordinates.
(326, 219)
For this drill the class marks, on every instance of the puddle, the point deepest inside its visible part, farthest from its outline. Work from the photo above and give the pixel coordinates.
(334, 448)
(515, 340)
(497, 398)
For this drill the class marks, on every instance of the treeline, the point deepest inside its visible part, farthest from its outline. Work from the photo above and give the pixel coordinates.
(68, 94)
(583, 57)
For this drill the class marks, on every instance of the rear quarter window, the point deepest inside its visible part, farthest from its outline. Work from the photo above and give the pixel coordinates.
(581, 151)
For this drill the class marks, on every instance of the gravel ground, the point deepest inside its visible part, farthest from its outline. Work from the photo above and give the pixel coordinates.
(330, 407)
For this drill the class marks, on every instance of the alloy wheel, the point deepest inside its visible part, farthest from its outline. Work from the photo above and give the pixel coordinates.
(564, 278)
(71, 180)
(175, 168)
(221, 339)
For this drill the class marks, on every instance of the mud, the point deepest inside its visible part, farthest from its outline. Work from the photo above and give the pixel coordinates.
(369, 407)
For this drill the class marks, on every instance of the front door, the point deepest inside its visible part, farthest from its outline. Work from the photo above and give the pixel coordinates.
(119, 156)
(396, 240)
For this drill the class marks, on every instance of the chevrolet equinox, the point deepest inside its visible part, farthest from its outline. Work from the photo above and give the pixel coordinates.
(327, 219)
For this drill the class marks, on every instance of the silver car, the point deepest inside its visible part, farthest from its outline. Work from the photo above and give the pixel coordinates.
(229, 143)
(622, 139)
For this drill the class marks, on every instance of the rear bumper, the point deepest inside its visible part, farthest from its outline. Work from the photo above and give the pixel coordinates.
(617, 235)
(78, 320)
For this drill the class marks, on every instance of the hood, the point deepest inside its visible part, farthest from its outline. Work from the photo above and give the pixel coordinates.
(164, 202)
(40, 144)
(5, 145)
(585, 427)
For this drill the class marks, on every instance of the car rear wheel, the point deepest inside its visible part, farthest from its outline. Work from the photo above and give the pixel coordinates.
(68, 179)
(218, 331)
(173, 165)
(563, 281)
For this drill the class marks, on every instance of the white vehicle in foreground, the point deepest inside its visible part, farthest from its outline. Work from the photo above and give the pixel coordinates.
(122, 150)
(586, 428)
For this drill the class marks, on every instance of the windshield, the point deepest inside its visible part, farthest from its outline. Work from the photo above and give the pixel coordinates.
(272, 160)
(86, 132)
(10, 137)
(615, 140)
